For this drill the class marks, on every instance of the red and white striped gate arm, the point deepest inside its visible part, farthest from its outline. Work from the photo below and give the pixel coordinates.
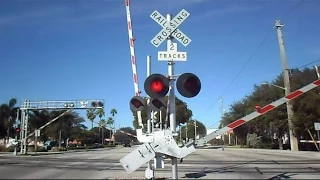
(45, 125)
(133, 58)
(128, 133)
(255, 114)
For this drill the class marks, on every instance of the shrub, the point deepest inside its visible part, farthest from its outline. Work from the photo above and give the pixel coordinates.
(254, 141)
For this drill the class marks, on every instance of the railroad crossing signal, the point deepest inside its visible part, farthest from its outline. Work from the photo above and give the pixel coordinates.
(188, 85)
(137, 103)
(156, 85)
(157, 104)
(170, 28)
(97, 104)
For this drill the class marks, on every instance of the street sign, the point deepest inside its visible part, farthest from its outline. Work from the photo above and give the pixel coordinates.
(170, 28)
(172, 54)
(317, 126)
(37, 133)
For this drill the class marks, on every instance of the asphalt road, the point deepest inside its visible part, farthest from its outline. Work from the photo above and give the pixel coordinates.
(203, 164)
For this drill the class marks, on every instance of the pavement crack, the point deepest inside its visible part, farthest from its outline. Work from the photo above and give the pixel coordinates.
(258, 170)
(275, 162)
(315, 169)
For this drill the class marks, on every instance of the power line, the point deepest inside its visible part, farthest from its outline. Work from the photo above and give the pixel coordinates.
(309, 64)
(251, 57)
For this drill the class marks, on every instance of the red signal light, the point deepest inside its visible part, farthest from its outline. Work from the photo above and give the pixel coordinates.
(188, 85)
(17, 129)
(156, 85)
(137, 103)
(157, 104)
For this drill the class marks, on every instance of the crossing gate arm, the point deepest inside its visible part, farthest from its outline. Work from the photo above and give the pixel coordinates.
(255, 114)
(127, 133)
(48, 123)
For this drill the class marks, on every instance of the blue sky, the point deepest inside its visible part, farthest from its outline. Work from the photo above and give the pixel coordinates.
(69, 50)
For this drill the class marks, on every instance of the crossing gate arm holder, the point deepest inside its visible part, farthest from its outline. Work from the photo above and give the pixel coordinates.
(144, 137)
(138, 157)
(12, 142)
(163, 143)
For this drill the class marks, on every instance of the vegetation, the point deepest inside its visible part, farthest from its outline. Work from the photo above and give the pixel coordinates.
(258, 133)
(188, 130)
(68, 128)
(263, 128)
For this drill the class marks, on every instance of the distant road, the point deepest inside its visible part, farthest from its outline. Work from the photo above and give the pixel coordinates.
(203, 164)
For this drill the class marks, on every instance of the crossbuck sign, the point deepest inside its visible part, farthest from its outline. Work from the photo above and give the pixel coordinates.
(170, 28)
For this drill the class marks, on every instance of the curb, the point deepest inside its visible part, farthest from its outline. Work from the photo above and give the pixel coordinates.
(63, 152)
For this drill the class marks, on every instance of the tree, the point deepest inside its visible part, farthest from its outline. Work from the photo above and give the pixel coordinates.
(124, 138)
(183, 114)
(110, 121)
(190, 129)
(38, 118)
(305, 109)
(102, 123)
(91, 115)
(113, 112)
(8, 114)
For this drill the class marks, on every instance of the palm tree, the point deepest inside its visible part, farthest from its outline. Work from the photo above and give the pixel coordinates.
(110, 121)
(102, 123)
(8, 114)
(100, 113)
(113, 112)
(91, 115)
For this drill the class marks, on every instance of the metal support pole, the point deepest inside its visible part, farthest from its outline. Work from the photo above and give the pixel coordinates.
(26, 119)
(186, 132)
(293, 138)
(148, 100)
(152, 121)
(16, 136)
(318, 137)
(149, 130)
(26, 133)
(180, 135)
(160, 116)
(195, 130)
(172, 104)
(35, 142)
(22, 131)
(317, 71)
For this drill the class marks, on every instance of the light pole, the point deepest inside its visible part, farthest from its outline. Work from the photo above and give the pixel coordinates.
(195, 128)
(274, 85)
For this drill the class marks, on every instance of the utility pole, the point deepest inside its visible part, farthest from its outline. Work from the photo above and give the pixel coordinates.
(195, 130)
(293, 138)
